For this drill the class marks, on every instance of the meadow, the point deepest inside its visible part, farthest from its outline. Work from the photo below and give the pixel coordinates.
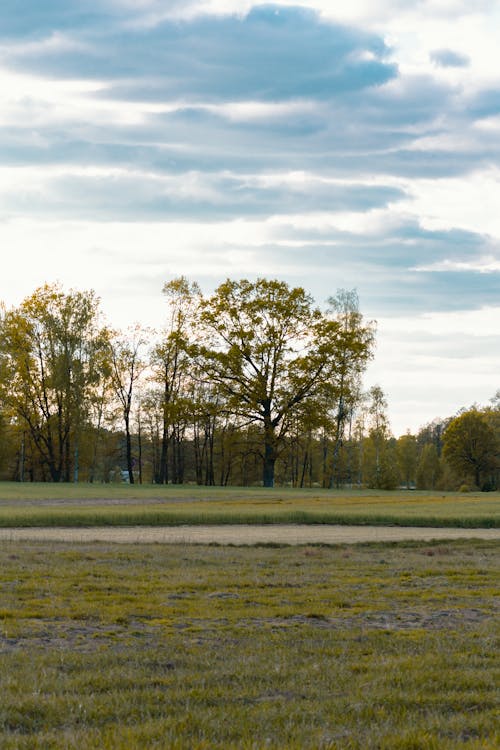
(184, 646)
(177, 646)
(152, 505)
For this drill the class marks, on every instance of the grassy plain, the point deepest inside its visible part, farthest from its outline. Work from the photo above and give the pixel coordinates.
(361, 647)
(124, 505)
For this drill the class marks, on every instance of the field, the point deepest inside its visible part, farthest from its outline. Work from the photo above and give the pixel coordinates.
(173, 646)
(122, 646)
(151, 505)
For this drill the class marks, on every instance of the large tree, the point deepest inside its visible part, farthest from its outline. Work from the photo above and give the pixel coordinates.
(269, 350)
(52, 365)
(471, 446)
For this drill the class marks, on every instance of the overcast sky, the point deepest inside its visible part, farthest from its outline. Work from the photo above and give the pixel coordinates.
(331, 144)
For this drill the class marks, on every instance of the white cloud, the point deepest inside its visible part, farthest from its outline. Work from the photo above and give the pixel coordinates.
(245, 111)
(425, 369)
(483, 264)
(17, 86)
(421, 361)
(414, 30)
(35, 102)
(469, 203)
(372, 222)
(482, 322)
(127, 249)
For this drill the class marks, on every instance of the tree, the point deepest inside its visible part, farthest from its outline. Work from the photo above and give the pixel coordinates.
(269, 350)
(343, 392)
(429, 467)
(406, 451)
(379, 457)
(51, 364)
(471, 446)
(126, 369)
(172, 365)
(379, 425)
(432, 434)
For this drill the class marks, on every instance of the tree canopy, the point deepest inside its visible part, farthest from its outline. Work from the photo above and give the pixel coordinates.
(52, 356)
(269, 349)
(471, 446)
(252, 384)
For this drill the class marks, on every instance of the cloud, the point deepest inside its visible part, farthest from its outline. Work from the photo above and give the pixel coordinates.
(469, 205)
(486, 103)
(355, 12)
(110, 193)
(447, 58)
(330, 144)
(434, 363)
(268, 54)
(275, 88)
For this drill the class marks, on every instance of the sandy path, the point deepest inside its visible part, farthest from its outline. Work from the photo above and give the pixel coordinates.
(282, 534)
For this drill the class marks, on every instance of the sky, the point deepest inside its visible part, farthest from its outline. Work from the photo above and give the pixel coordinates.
(335, 145)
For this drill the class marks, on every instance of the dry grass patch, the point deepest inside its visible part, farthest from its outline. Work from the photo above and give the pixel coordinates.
(391, 646)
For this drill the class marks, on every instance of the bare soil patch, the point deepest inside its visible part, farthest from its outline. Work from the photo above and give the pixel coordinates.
(245, 534)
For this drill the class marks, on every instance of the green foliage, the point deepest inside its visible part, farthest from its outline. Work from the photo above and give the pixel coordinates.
(383, 475)
(472, 448)
(270, 351)
(252, 385)
(429, 468)
(379, 452)
(176, 398)
(52, 364)
(406, 451)
(3, 442)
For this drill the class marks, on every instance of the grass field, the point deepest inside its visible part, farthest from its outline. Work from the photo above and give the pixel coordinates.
(125, 505)
(371, 646)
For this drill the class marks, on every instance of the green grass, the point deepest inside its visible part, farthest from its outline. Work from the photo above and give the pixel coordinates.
(123, 505)
(363, 647)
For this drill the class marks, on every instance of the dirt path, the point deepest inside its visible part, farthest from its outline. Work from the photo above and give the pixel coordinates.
(240, 535)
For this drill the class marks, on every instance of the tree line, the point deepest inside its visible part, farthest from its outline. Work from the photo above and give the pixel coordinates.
(254, 384)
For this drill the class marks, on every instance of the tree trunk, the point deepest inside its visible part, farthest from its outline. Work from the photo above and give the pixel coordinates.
(55, 474)
(76, 467)
(163, 468)
(269, 452)
(155, 450)
(139, 448)
(339, 431)
(21, 460)
(268, 473)
(96, 442)
(324, 460)
(210, 468)
(128, 440)
(198, 453)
